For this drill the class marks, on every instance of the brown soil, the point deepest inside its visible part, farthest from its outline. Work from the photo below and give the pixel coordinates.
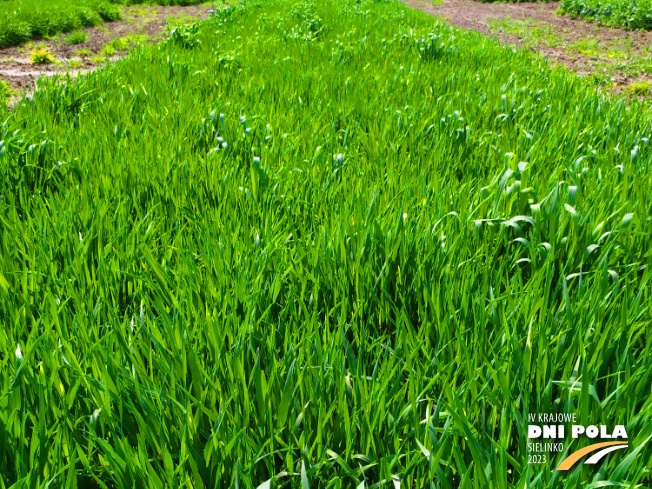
(15, 66)
(478, 16)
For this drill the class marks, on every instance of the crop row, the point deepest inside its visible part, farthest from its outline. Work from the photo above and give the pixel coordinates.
(22, 20)
(630, 14)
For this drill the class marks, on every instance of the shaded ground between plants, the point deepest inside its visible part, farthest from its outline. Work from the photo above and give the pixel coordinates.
(617, 59)
(146, 24)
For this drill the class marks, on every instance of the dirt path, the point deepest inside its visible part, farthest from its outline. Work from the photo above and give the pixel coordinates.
(139, 25)
(615, 58)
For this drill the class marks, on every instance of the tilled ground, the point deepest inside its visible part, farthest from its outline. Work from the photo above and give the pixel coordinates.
(148, 23)
(617, 58)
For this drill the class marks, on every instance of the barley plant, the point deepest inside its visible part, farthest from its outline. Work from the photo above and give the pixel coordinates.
(354, 256)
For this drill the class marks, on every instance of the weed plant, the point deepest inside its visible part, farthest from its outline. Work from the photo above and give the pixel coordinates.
(6, 92)
(77, 37)
(640, 88)
(41, 56)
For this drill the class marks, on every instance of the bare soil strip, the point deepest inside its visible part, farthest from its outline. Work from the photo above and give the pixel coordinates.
(616, 59)
(147, 24)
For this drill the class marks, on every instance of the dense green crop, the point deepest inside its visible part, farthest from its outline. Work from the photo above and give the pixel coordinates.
(333, 244)
(22, 20)
(630, 14)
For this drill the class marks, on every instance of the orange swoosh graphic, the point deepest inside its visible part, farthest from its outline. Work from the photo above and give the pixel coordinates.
(569, 461)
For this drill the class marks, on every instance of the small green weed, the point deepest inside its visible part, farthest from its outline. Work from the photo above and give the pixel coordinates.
(638, 88)
(41, 56)
(77, 37)
(137, 39)
(6, 92)
(586, 47)
(530, 32)
(119, 43)
(75, 63)
(108, 51)
(616, 54)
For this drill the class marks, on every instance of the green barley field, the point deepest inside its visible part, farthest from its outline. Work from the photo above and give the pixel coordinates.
(332, 244)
